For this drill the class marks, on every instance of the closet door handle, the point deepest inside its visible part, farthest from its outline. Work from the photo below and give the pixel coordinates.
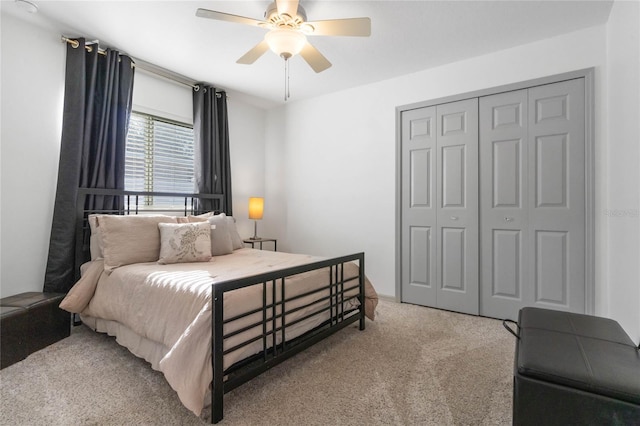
(508, 219)
(454, 217)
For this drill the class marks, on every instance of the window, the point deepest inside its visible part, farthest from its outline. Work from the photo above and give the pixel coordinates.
(159, 158)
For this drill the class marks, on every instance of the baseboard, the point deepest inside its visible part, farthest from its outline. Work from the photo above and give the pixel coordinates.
(387, 298)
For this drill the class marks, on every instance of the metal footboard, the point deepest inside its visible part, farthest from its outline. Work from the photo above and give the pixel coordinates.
(275, 346)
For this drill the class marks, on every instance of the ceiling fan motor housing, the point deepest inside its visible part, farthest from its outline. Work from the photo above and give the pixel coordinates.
(272, 16)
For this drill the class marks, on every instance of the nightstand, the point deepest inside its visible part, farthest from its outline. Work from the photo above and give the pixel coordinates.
(260, 241)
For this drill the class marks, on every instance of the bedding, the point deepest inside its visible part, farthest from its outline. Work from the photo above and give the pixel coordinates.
(162, 313)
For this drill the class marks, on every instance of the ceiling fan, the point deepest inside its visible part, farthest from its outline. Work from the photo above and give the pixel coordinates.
(288, 27)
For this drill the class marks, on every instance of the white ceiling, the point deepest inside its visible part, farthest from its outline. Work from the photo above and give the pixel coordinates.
(407, 36)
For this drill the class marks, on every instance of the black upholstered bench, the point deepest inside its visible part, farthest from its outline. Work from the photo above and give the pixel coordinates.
(14, 329)
(31, 321)
(573, 369)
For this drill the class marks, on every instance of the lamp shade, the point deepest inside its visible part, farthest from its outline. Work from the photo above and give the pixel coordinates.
(285, 42)
(256, 207)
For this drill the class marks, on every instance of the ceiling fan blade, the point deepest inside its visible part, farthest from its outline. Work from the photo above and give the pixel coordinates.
(287, 7)
(358, 27)
(314, 58)
(212, 14)
(252, 55)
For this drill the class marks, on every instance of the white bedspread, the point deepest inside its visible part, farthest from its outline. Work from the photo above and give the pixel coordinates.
(171, 306)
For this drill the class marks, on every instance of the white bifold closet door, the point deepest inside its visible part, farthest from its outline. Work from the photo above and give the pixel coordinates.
(532, 199)
(440, 265)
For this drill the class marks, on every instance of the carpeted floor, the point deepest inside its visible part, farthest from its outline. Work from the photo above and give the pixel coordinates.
(412, 366)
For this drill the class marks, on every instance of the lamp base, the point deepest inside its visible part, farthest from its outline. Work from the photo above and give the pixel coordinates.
(255, 231)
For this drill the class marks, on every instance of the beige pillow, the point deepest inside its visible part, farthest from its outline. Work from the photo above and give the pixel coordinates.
(191, 218)
(206, 215)
(95, 241)
(130, 239)
(184, 242)
(236, 240)
(220, 238)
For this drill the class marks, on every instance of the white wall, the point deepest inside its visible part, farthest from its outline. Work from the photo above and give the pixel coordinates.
(32, 96)
(275, 209)
(32, 92)
(622, 205)
(247, 151)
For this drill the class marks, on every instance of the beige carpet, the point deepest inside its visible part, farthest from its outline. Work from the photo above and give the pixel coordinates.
(412, 366)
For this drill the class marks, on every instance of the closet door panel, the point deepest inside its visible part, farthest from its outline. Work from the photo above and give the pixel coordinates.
(552, 170)
(503, 203)
(551, 274)
(419, 266)
(507, 264)
(557, 195)
(453, 259)
(418, 206)
(457, 206)
(453, 176)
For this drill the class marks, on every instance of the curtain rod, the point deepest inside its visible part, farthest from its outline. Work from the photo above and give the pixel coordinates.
(143, 66)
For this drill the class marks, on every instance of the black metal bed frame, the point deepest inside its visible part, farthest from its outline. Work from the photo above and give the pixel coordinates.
(274, 313)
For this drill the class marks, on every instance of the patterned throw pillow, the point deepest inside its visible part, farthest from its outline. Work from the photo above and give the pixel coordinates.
(184, 242)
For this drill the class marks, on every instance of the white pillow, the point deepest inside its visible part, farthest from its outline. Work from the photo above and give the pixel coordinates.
(236, 240)
(220, 237)
(184, 242)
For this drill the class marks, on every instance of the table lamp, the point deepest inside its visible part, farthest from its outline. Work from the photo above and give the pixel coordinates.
(256, 207)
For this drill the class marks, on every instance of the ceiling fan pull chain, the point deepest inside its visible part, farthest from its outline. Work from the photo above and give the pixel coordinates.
(288, 86)
(287, 94)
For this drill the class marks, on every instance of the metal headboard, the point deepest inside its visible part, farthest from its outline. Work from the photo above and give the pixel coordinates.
(131, 203)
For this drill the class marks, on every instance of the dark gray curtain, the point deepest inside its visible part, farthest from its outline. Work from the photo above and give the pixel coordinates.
(211, 135)
(97, 106)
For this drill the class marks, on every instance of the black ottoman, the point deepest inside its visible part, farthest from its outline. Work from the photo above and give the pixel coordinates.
(573, 369)
(14, 328)
(47, 323)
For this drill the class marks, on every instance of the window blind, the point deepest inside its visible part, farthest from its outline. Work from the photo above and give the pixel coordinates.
(159, 158)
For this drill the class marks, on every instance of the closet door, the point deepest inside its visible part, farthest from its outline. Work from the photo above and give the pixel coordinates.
(504, 203)
(419, 206)
(457, 206)
(532, 163)
(440, 206)
(557, 196)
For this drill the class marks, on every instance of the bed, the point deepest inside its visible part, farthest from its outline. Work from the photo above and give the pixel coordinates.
(191, 312)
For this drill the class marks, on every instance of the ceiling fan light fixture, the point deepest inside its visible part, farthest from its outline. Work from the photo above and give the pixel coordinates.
(285, 42)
